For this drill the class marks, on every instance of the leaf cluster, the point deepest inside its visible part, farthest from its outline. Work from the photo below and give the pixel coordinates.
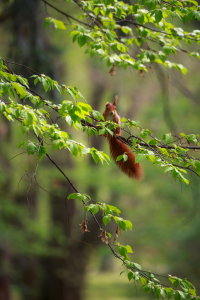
(114, 28)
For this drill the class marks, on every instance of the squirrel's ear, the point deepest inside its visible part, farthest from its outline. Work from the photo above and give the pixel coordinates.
(107, 103)
(115, 101)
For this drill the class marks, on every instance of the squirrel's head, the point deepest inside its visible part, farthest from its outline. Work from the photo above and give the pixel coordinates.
(111, 107)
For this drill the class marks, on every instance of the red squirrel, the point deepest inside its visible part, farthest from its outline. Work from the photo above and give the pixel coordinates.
(129, 167)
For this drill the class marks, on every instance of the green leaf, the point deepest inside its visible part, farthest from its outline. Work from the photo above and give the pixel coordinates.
(122, 251)
(152, 142)
(59, 88)
(110, 36)
(122, 225)
(130, 275)
(175, 173)
(117, 219)
(163, 293)
(2, 107)
(72, 93)
(138, 158)
(126, 30)
(197, 167)
(69, 121)
(74, 149)
(175, 283)
(58, 24)
(109, 234)
(192, 138)
(82, 40)
(122, 272)
(34, 99)
(140, 18)
(125, 157)
(42, 152)
(31, 148)
(95, 157)
(109, 131)
(113, 208)
(113, 47)
(36, 130)
(94, 208)
(106, 219)
(102, 131)
(85, 150)
(143, 134)
(129, 249)
(167, 138)
(177, 296)
(19, 89)
(128, 224)
(100, 51)
(21, 144)
(162, 56)
(151, 4)
(147, 288)
(167, 49)
(89, 120)
(45, 84)
(29, 118)
(157, 292)
(97, 115)
(57, 144)
(47, 22)
(90, 132)
(23, 81)
(73, 196)
(158, 16)
(143, 280)
(96, 10)
(25, 129)
(118, 13)
(119, 157)
(137, 266)
(151, 56)
(167, 169)
(171, 294)
(36, 81)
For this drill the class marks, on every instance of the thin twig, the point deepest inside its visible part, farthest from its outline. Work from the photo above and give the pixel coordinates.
(66, 15)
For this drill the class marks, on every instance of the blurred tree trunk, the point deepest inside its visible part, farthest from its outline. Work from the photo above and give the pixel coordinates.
(28, 47)
(64, 276)
(67, 278)
(57, 277)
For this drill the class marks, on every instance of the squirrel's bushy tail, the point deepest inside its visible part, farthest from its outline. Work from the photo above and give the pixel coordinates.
(128, 167)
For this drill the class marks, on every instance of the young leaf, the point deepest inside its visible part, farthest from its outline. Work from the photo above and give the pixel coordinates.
(138, 158)
(42, 152)
(58, 24)
(106, 219)
(47, 22)
(94, 208)
(158, 16)
(73, 196)
(31, 148)
(129, 249)
(130, 275)
(122, 251)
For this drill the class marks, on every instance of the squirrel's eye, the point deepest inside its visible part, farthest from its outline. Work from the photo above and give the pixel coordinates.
(106, 107)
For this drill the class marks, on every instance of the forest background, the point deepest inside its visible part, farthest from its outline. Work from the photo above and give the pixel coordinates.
(41, 254)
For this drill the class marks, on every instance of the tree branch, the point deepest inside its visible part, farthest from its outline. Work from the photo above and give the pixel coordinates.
(66, 15)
